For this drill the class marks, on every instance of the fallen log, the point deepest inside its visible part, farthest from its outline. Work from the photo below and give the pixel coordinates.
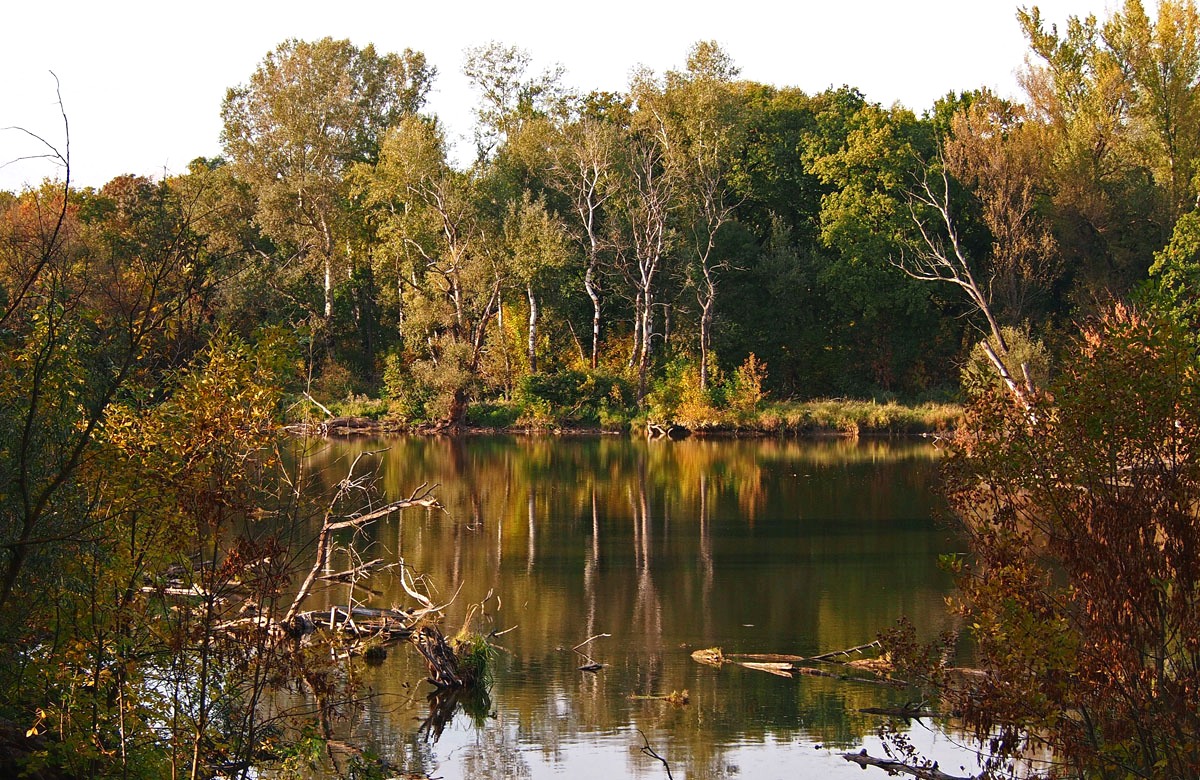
(930, 772)
(778, 669)
(387, 624)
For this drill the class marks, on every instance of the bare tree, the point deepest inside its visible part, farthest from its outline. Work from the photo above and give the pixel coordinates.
(995, 151)
(939, 257)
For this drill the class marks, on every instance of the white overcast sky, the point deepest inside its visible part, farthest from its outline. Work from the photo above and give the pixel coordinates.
(142, 82)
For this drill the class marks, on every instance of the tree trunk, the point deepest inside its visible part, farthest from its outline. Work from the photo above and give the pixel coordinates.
(328, 287)
(647, 329)
(706, 317)
(327, 250)
(589, 284)
(533, 320)
(635, 352)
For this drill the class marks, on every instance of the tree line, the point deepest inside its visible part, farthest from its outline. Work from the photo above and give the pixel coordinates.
(608, 245)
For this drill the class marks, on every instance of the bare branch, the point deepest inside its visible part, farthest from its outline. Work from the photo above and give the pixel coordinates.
(941, 258)
(51, 243)
(651, 752)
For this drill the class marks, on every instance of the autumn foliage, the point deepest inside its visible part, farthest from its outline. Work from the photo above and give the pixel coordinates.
(1083, 584)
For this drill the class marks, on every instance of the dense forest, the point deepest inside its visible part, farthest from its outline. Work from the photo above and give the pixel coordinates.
(676, 251)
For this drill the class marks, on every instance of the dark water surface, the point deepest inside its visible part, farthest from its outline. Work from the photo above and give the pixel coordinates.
(753, 546)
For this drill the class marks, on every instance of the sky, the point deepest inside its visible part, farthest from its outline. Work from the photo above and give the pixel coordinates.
(142, 80)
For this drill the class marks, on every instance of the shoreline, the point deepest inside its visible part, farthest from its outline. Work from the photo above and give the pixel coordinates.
(349, 426)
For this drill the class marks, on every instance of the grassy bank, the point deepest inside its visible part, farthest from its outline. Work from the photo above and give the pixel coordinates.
(822, 417)
(855, 417)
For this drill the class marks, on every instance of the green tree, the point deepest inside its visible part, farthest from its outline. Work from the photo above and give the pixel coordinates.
(508, 95)
(866, 157)
(1161, 63)
(309, 113)
(438, 236)
(100, 287)
(538, 244)
(705, 131)
(1110, 215)
(1175, 274)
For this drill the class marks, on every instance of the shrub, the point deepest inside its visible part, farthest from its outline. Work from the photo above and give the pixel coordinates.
(1083, 582)
(424, 389)
(573, 398)
(979, 374)
(491, 415)
(746, 387)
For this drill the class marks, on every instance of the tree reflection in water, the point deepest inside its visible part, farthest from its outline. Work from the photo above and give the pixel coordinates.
(753, 546)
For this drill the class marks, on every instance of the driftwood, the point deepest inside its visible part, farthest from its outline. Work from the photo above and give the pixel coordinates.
(784, 665)
(422, 496)
(440, 658)
(369, 627)
(930, 772)
(439, 655)
(385, 624)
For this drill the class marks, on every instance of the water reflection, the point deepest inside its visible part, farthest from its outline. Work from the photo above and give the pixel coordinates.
(753, 546)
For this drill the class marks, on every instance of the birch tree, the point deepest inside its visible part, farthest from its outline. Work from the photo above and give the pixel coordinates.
(308, 114)
(703, 128)
(584, 169)
(449, 267)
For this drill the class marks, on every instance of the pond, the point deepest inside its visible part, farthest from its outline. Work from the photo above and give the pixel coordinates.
(660, 548)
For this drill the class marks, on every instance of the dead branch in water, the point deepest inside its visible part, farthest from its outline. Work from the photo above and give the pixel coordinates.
(930, 772)
(678, 698)
(830, 656)
(592, 664)
(651, 752)
(784, 665)
(422, 496)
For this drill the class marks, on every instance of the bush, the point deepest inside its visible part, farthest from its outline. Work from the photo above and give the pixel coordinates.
(334, 381)
(746, 388)
(491, 415)
(1082, 586)
(574, 398)
(407, 398)
(979, 374)
(725, 403)
(677, 397)
(422, 389)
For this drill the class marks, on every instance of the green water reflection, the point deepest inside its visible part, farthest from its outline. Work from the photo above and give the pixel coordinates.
(751, 545)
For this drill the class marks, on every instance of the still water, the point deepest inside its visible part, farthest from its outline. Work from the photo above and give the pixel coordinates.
(753, 546)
